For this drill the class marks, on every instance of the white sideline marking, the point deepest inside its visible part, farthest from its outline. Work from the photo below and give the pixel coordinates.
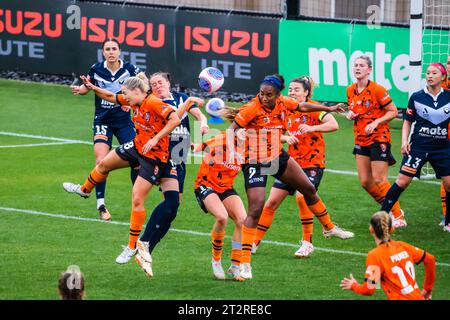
(351, 173)
(35, 144)
(277, 243)
(23, 135)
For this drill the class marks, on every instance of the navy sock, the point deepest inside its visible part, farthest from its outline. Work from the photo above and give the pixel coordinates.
(133, 175)
(447, 212)
(391, 197)
(100, 190)
(161, 219)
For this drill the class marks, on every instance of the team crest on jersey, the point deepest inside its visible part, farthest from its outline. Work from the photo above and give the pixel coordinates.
(266, 120)
(312, 173)
(147, 116)
(289, 123)
(367, 104)
(383, 147)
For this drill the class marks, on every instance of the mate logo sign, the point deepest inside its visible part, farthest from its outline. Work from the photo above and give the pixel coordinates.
(326, 51)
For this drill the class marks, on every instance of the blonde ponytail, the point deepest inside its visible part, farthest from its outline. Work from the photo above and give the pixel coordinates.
(381, 224)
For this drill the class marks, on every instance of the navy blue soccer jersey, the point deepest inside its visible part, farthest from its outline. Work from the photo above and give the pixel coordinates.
(180, 138)
(105, 111)
(431, 117)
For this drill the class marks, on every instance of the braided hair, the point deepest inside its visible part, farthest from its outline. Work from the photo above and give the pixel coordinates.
(381, 224)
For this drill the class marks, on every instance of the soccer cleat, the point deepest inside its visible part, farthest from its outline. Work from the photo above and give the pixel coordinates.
(398, 222)
(142, 247)
(145, 265)
(246, 271)
(219, 274)
(235, 272)
(338, 233)
(75, 188)
(305, 250)
(104, 213)
(126, 255)
(447, 228)
(255, 247)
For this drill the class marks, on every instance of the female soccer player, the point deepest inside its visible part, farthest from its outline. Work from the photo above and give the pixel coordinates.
(173, 174)
(429, 110)
(110, 119)
(391, 263)
(215, 194)
(307, 147)
(371, 108)
(263, 120)
(150, 152)
(180, 140)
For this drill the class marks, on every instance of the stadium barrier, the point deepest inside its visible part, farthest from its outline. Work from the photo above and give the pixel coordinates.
(64, 38)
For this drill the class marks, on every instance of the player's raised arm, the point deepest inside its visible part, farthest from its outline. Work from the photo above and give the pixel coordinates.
(102, 93)
(187, 105)
(79, 90)
(172, 122)
(311, 107)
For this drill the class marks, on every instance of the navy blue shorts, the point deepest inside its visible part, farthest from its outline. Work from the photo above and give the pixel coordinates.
(202, 192)
(175, 171)
(255, 176)
(377, 151)
(149, 169)
(417, 158)
(103, 133)
(314, 175)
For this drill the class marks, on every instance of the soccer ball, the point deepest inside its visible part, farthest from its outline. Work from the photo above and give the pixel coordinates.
(210, 79)
(213, 107)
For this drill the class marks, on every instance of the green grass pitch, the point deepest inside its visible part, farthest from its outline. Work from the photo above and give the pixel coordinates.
(40, 235)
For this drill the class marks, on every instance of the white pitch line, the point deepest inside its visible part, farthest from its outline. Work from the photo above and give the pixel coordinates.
(352, 173)
(276, 243)
(35, 144)
(23, 135)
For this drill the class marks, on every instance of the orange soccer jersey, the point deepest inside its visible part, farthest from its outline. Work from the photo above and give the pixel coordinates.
(369, 105)
(393, 265)
(150, 118)
(215, 171)
(309, 152)
(264, 127)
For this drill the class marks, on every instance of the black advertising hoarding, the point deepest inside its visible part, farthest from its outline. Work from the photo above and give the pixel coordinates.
(64, 37)
(61, 37)
(245, 48)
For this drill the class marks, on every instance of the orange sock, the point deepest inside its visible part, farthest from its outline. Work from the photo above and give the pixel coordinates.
(320, 211)
(264, 223)
(94, 179)
(384, 188)
(374, 191)
(444, 206)
(137, 220)
(306, 217)
(236, 253)
(217, 244)
(248, 237)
